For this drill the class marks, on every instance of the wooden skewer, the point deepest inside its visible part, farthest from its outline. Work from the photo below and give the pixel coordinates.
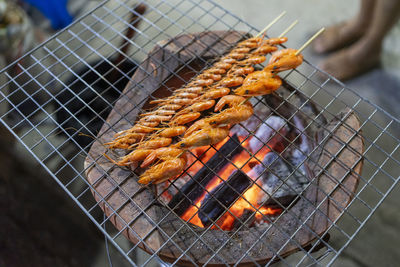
(288, 29)
(272, 23)
(309, 41)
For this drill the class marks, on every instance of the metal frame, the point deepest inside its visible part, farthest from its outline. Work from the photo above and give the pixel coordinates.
(62, 58)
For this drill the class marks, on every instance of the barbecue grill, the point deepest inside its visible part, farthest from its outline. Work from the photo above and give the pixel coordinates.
(348, 146)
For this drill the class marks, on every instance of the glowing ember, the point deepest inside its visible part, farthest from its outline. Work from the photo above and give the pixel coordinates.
(244, 161)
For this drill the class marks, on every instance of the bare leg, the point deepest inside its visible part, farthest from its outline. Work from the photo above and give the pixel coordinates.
(365, 53)
(346, 33)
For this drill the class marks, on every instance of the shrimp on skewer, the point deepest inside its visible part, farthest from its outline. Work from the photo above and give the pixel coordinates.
(163, 153)
(215, 93)
(125, 141)
(193, 89)
(163, 171)
(198, 107)
(239, 110)
(203, 137)
(134, 157)
(135, 129)
(172, 131)
(284, 59)
(162, 112)
(155, 143)
(185, 118)
(231, 81)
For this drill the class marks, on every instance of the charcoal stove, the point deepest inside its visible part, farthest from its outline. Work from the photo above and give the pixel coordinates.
(335, 132)
(302, 219)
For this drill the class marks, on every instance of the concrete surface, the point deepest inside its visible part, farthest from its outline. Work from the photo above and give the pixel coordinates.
(377, 243)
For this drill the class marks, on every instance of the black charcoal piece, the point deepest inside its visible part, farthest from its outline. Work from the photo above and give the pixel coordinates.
(192, 190)
(218, 201)
(280, 183)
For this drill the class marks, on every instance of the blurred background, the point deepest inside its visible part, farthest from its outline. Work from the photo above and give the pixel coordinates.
(40, 224)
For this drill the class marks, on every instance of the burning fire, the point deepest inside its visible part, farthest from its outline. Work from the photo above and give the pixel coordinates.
(248, 201)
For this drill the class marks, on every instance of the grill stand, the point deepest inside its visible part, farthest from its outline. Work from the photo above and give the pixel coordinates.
(156, 229)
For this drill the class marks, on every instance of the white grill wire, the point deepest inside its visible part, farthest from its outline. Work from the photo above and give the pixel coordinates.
(30, 101)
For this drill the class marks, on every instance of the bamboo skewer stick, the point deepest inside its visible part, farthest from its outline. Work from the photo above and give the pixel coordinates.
(309, 41)
(288, 29)
(271, 23)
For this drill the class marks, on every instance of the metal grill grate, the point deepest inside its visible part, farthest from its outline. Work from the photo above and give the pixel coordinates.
(40, 86)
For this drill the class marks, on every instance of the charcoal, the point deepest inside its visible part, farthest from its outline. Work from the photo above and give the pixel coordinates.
(221, 197)
(270, 131)
(191, 191)
(280, 186)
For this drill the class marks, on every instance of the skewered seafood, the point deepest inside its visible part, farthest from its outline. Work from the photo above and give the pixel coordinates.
(205, 136)
(163, 171)
(198, 107)
(233, 70)
(239, 110)
(163, 153)
(259, 83)
(284, 59)
(173, 131)
(185, 118)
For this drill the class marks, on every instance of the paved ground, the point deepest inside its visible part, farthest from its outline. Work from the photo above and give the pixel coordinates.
(377, 243)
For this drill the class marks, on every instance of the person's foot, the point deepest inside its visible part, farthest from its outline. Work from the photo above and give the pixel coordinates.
(353, 61)
(339, 36)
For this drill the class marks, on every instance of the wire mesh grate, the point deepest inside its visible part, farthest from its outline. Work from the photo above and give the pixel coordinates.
(48, 100)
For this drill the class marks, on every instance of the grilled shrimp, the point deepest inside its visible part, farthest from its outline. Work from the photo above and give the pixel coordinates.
(200, 124)
(162, 112)
(201, 82)
(264, 49)
(214, 77)
(185, 118)
(250, 43)
(284, 59)
(163, 153)
(274, 41)
(216, 70)
(236, 55)
(155, 118)
(135, 129)
(149, 123)
(230, 101)
(135, 156)
(170, 107)
(254, 60)
(179, 101)
(228, 60)
(173, 131)
(241, 50)
(231, 81)
(256, 76)
(198, 107)
(215, 93)
(261, 86)
(125, 141)
(163, 171)
(193, 90)
(239, 110)
(186, 95)
(240, 71)
(223, 65)
(155, 143)
(203, 137)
